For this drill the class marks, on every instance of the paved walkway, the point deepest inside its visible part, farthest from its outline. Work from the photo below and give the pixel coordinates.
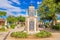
(55, 36)
(3, 35)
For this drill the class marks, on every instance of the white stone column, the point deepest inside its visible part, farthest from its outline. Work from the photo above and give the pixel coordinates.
(28, 24)
(5, 22)
(35, 25)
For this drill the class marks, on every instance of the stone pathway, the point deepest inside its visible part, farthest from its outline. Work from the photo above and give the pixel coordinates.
(3, 35)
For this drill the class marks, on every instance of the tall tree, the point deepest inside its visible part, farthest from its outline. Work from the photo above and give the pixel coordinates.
(58, 8)
(47, 10)
(57, 1)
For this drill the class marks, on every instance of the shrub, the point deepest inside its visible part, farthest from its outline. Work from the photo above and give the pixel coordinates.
(12, 26)
(56, 27)
(43, 34)
(3, 29)
(19, 34)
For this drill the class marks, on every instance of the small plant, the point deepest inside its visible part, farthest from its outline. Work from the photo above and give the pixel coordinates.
(12, 26)
(3, 29)
(43, 34)
(56, 27)
(19, 34)
(47, 24)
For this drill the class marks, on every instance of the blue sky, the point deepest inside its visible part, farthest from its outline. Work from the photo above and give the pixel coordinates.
(17, 7)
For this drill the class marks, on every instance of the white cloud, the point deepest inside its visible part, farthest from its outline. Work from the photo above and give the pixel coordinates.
(16, 10)
(5, 4)
(9, 13)
(39, 2)
(19, 15)
(16, 1)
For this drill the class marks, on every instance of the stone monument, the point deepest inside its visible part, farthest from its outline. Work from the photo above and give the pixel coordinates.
(31, 20)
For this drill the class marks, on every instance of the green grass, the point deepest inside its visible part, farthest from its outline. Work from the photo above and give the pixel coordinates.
(3, 29)
(19, 34)
(12, 26)
(43, 34)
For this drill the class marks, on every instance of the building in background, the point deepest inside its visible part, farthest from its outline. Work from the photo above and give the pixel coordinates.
(2, 21)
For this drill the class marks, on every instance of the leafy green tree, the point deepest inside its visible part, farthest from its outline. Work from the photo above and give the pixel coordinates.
(11, 19)
(58, 8)
(21, 19)
(57, 1)
(47, 10)
(2, 13)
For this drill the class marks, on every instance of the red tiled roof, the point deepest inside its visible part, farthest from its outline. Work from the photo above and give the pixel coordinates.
(1, 19)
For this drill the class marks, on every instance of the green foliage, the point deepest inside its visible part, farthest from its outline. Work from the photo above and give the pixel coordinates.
(48, 10)
(3, 29)
(2, 13)
(11, 19)
(21, 19)
(56, 27)
(57, 1)
(43, 34)
(47, 24)
(12, 26)
(48, 7)
(58, 8)
(19, 34)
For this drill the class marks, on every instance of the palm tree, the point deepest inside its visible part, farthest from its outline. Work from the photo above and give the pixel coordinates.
(47, 10)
